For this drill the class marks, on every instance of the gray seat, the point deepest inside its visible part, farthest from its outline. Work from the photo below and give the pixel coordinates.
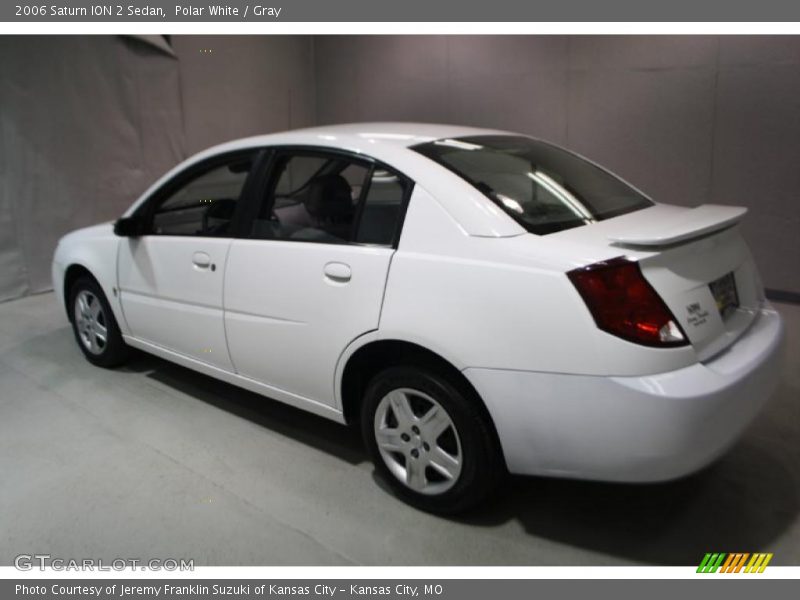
(328, 201)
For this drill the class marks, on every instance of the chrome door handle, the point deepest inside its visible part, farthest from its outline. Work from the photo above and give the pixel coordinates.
(201, 260)
(338, 272)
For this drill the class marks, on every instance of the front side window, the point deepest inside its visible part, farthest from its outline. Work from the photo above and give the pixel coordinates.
(330, 199)
(542, 187)
(204, 205)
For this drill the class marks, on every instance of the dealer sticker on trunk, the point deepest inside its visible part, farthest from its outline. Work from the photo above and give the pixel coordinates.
(696, 315)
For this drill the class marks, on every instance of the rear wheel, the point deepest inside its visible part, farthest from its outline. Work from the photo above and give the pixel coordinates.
(94, 325)
(429, 440)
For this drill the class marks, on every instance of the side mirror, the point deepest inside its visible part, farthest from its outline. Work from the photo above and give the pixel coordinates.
(128, 227)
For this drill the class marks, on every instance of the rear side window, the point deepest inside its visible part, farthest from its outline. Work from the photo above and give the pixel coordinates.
(542, 187)
(383, 208)
(330, 199)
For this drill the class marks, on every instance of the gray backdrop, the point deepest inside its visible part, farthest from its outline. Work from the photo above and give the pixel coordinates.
(86, 123)
(688, 119)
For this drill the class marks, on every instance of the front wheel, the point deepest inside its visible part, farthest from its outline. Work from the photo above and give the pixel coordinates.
(94, 325)
(429, 440)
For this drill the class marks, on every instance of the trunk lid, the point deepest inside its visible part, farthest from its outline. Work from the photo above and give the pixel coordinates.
(696, 259)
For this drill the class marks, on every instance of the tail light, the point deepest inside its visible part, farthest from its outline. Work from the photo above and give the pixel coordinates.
(624, 303)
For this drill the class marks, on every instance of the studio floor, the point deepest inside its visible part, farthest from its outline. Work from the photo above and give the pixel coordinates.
(156, 461)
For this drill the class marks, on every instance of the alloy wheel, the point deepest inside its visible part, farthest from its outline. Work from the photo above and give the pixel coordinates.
(418, 441)
(90, 321)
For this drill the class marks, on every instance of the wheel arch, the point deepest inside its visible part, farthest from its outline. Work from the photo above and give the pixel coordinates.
(374, 355)
(104, 276)
(73, 272)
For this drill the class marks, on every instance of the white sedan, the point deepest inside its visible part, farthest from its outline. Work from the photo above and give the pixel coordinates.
(476, 301)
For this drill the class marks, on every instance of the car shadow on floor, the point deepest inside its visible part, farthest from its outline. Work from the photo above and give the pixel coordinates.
(312, 430)
(719, 509)
(741, 504)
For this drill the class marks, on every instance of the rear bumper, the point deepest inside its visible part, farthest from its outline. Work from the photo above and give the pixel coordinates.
(650, 428)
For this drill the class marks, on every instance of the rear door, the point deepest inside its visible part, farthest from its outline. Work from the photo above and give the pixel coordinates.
(171, 277)
(309, 275)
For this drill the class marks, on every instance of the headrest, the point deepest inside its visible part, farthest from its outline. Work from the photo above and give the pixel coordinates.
(329, 197)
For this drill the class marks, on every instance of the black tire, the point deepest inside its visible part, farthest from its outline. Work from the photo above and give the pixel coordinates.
(112, 351)
(481, 467)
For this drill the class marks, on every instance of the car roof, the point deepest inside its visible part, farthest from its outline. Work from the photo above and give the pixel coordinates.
(356, 134)
(389, 143)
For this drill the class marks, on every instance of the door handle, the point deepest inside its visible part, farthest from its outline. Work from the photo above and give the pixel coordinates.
(338, 272)
(201, 260)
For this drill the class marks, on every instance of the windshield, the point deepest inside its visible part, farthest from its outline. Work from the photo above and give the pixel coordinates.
(544, 188)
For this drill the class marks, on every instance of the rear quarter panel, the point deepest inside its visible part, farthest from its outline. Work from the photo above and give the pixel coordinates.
(500, 303)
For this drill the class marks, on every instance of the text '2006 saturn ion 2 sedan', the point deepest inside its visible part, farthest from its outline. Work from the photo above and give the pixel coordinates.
(476, 301)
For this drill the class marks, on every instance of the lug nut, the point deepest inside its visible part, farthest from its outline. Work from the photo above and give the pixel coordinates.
(405, 437)
(415, 453)
(415, 429)
(426, 446)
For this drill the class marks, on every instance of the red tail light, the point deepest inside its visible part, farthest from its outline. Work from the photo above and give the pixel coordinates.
(624, 303)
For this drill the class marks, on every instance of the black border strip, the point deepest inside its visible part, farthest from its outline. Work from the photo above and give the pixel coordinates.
(782, 296)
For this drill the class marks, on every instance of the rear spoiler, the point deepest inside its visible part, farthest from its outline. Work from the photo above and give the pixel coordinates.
(685, 225)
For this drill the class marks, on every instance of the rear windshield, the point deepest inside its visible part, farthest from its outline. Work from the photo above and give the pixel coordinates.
(543, 188)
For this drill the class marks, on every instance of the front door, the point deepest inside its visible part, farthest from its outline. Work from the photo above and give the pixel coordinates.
(171, 278)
